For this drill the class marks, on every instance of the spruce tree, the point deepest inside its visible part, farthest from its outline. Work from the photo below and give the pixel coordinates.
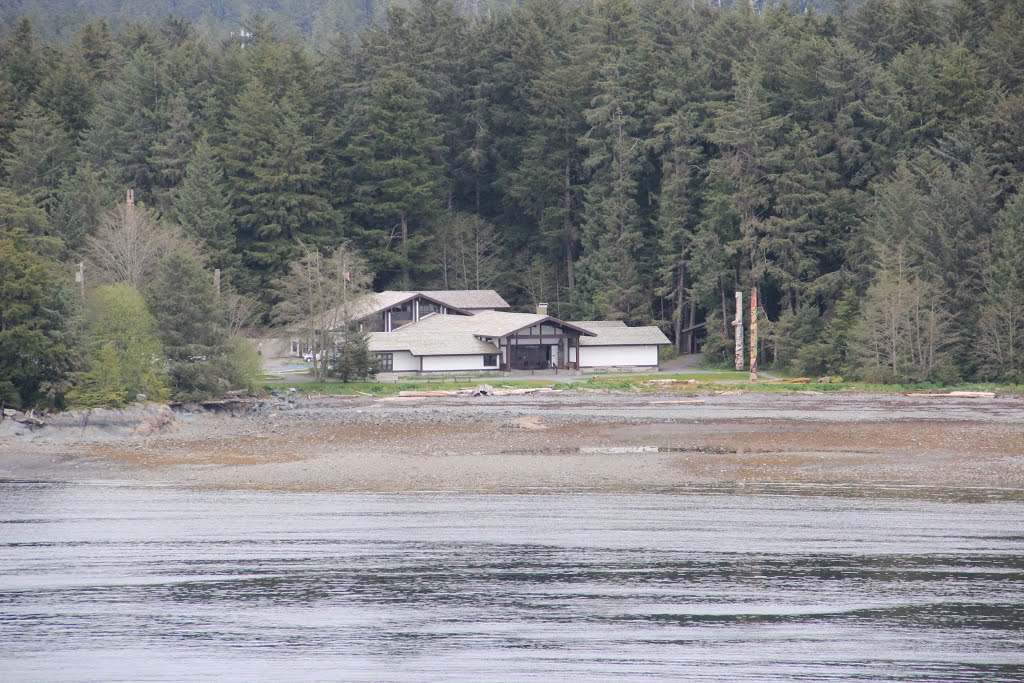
(999, 340)
(739, 191)
(200, 206)
(353, 358)
(192, 327)
(78, 206)
(170, 151)
(129, 114)
(397, 178)
(42, 155)
(20, 60)
(67, 93)
(547, 184)
(36, 304)
(276, 184)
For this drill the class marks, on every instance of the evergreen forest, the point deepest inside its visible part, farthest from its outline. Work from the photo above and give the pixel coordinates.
(640, 160)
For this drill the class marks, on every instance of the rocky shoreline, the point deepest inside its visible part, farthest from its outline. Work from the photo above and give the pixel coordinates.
(554, 441)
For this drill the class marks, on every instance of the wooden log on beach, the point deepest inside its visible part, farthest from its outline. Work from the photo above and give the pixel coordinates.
(522, 392)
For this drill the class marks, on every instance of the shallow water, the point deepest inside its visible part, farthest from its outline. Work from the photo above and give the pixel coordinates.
(116, 582)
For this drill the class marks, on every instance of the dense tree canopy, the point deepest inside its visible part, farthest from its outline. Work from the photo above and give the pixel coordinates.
(634, 159)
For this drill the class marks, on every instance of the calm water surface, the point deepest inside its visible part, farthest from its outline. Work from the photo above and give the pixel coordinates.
(115, 582)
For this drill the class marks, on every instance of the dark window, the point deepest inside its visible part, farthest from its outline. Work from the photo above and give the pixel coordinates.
(490, 360)
(387, 361)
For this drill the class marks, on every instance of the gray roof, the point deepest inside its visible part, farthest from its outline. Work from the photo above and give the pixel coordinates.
(381, 301)
(590, 324)
(458, 335)
(500, 323)
(435, 335)
(620, 335)
(468, 298)
(462, 300)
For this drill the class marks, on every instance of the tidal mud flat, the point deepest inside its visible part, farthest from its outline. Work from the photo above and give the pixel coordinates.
(614, 442)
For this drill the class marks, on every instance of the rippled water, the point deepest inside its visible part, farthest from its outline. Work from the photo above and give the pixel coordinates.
(114, 582)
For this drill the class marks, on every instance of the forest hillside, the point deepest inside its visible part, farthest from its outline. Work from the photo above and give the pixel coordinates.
(639, 160)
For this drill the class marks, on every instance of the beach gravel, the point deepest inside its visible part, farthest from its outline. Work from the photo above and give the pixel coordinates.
(558, 441)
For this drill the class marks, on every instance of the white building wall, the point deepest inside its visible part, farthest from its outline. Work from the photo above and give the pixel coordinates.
(404, 361)
(444, 363)
(617, 356)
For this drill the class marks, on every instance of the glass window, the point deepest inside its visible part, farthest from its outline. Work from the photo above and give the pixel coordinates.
(490, 360)
(387, 361)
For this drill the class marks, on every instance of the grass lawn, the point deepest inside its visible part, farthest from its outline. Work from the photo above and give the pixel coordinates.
(705, 383)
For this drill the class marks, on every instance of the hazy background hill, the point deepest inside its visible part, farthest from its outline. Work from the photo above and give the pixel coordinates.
(315, 20)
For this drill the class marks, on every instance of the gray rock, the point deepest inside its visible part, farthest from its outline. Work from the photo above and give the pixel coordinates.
(104, 423)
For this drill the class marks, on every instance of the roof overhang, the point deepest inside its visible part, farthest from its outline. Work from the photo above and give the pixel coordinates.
(582, 332)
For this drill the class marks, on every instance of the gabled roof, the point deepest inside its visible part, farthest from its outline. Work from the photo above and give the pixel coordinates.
(382, 301)
(468, 298)
(501, 324)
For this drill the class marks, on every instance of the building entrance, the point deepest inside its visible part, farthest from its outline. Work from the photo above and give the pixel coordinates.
(530, 357)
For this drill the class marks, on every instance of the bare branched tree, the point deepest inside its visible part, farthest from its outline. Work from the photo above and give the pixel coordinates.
(467, 250)
(999, 345)
(320, 296)
(129, 244)
(240, 311)
(905, 328)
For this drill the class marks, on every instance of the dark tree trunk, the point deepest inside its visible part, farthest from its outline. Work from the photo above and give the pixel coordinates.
(680, 301)
(405, 252)
(569, 232)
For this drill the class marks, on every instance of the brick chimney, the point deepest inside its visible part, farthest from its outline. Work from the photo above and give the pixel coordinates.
(542, 309)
